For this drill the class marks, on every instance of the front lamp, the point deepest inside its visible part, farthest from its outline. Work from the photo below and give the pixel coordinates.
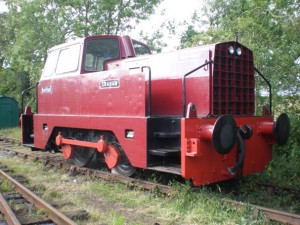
(231, 50)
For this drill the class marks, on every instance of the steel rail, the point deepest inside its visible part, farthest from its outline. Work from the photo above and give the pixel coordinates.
(276, 215)
(272, 214)
(9, 215)
(53, 214)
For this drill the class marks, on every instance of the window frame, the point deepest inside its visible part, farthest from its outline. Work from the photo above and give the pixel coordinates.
(54, 53)
(141, 44)
(78, 45)
(83, 70)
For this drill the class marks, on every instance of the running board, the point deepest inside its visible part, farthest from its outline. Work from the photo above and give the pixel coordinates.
(164, 152)
(175, 169)
(165, 135)
(29, 145)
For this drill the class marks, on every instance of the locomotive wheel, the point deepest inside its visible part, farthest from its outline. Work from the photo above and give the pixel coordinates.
(124, 169)
(83, 156)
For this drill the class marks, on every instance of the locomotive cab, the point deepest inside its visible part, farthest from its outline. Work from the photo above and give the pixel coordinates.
(188, 112)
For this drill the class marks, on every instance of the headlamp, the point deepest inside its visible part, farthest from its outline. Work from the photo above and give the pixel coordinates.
(231, 50)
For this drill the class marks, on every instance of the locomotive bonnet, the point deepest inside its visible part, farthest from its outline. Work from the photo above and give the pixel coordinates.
(189, 112)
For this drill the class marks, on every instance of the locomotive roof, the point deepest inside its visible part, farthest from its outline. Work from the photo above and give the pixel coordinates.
(72, 42)
(77, 41)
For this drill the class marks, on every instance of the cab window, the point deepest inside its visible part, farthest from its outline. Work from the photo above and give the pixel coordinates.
(140, 48)
(97, 51)
(50, 65)
(68, 59)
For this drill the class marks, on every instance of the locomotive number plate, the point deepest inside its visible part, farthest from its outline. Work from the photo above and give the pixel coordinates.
(110, 83)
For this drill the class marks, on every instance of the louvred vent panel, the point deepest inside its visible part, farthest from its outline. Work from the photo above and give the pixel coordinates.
(233, 81)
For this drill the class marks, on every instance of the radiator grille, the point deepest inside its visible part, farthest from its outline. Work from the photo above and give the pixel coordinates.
(233, 81)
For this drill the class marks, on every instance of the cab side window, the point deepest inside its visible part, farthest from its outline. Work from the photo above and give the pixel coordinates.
(49, 68)
(140, 48)
(97, 51)
(68, 59)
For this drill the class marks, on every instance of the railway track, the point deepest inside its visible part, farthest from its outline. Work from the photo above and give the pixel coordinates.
(52, 214)
(271, 214)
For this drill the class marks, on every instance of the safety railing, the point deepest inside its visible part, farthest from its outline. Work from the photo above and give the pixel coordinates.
(270, 88)
(184, 84)
(26, 91)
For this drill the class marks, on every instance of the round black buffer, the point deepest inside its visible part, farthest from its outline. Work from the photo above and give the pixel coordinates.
(224, 134)
(282, 129)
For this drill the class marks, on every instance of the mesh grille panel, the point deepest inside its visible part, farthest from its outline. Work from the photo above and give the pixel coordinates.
(233, 81)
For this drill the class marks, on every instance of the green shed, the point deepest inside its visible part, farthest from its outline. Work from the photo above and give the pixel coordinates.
(9, 112)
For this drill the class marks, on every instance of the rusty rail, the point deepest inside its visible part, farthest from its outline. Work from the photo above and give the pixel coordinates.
(276, 215)
(53, 214)
(7, 212)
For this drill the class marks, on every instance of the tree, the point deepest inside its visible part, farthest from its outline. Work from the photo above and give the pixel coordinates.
(187, 37)
(110, 17)
(30, 27)
(154, 41)
(10, 85)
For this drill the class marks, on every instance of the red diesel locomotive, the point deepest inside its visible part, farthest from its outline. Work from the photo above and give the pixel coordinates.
(188, 112)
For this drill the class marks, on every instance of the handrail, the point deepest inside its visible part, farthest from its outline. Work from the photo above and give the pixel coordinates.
(24, 92)
(270, 88)
(149, 90)
(184, 87)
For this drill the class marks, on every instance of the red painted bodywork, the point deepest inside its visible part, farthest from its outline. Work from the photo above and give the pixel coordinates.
(201, 163)
(76, 100)
(167, 70)
(85, 106)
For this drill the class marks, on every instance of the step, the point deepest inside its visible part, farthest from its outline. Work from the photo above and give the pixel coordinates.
(165, 152)
(166, 135)
(30, 145)
(175, 169)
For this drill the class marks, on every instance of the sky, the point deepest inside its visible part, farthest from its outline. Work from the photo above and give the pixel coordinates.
(180, 11)
(2, 6)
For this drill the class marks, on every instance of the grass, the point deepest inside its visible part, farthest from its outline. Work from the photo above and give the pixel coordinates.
(117, 219)
(114, 203)
(6, 186)
(282, 172)
(14, 133)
